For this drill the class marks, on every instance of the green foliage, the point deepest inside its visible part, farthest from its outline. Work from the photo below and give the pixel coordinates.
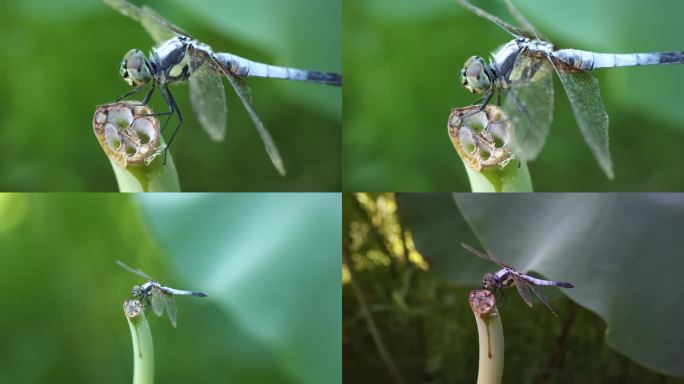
(269, 263)
(402, 61)
(60, 61)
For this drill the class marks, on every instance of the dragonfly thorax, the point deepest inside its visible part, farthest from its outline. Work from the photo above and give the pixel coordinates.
(142, 291)
(503, 278)
(135, 69)
(170, 60)
(504, 58)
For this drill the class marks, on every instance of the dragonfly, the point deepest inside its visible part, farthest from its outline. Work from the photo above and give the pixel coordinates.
(507, 276)
(523, 69)
(179, 57)
(152, 294)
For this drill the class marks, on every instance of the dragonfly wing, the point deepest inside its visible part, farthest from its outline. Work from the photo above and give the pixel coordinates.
(513, 30)
(523, 288)
(208, 99)
(486, 256)
(585, 98)
(541, 296)
(157, 301)
(529, 104)
(159, 28)
(529, 28)
(171, 309)
(134, 270)
(245, 96)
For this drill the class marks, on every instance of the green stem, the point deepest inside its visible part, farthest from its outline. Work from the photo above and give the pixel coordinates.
(143, 349)
(491, 338)
(155, 177)
(515, 177)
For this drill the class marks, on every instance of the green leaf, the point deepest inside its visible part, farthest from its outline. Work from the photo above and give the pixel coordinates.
(270, 264)
(622, 251)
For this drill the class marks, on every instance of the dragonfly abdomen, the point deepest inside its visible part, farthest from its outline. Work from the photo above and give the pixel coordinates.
(548, 282)
(248, 68)
(179, 292)
(587, 60)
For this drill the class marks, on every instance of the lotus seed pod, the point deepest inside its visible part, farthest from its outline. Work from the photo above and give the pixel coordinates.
(482, 138)
(126, 135)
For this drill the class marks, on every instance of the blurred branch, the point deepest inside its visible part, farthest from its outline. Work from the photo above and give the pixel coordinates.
(372, 327)
(556, 357)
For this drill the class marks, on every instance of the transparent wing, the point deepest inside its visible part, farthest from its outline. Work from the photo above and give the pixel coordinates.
(541, 297)
(585, 98)
(513, 30)
(483, 255)
(529, 104)
(158, 302)
(171, 309)
(208, 99)
(245, 96)
(134, 270)
(523, 288)
(159, 28)
(529, 28)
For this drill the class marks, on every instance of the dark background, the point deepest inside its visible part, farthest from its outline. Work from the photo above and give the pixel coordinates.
(615, 326)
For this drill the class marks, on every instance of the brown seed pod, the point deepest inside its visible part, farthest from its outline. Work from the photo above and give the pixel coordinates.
(125, 134)
(481, 138)
(482, 302)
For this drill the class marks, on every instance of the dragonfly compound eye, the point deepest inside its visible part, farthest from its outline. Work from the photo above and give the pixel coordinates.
(474, 76)
(133, 68)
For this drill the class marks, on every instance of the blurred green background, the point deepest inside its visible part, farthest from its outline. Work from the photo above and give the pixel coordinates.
(270, 264)
(620, 323)
(402, 62)
(60, 60)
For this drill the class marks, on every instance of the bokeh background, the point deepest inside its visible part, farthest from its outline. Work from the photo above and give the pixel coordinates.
(402, 62)
(406, 281)
(60, 60)
(270, 264)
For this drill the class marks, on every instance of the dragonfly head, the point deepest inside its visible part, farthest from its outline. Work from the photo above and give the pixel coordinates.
(488, 281)
(474, 75)
(134, 68)
(136, 291)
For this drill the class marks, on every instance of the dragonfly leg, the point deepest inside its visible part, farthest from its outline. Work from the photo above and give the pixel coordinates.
(148, 96)
(132, 92)
(175, 108)
(502, 294)
(486, 98)
(481, 104)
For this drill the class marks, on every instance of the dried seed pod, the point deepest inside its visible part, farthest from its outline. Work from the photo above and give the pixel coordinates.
(126, 135)
(482, 302)
(482, 138)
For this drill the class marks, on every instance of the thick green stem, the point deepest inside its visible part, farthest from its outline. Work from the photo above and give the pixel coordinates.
(155, 177)
(491, 338)
(514, 177)
(143, 349)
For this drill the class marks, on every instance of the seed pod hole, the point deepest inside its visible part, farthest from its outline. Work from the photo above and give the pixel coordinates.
(126, 133)
(481, 137)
